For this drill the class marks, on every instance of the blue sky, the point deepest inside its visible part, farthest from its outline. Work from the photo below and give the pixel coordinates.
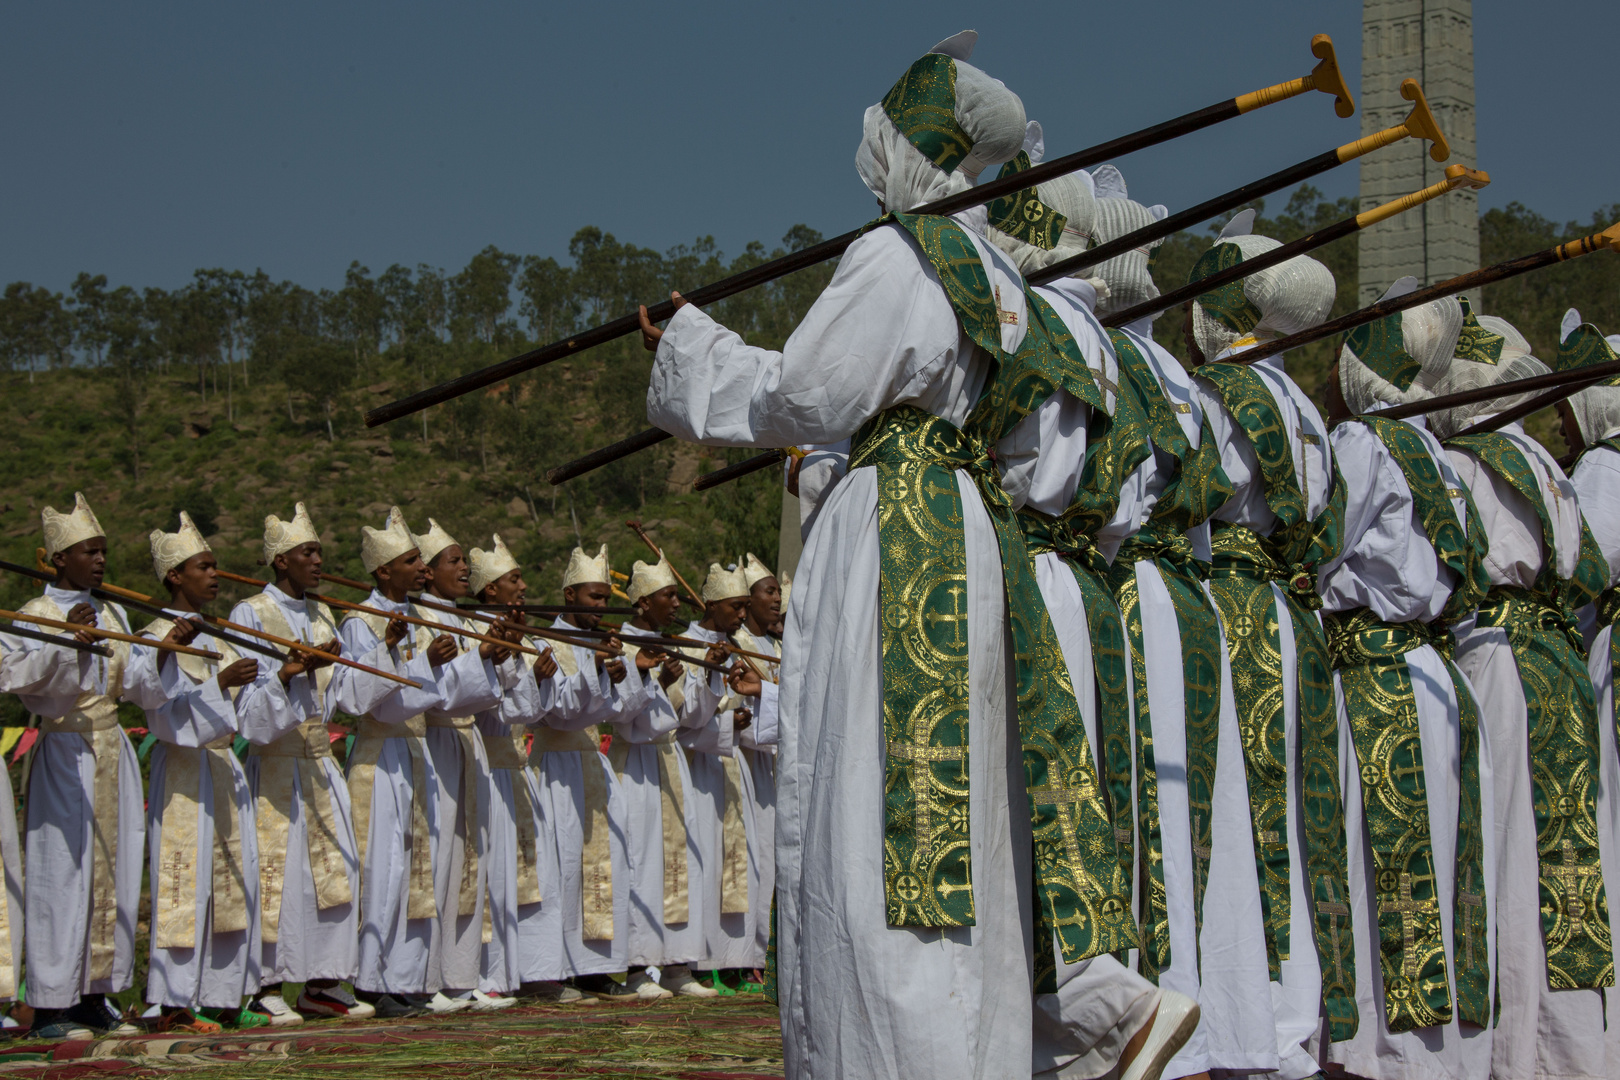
(145, 140)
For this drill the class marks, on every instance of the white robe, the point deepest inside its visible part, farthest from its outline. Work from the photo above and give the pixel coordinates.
(859, 997)
(1222, 966)
(1099, 1005)
(1541, 1032)
(523, 701)
(1296, 997)
(398, 954)
(651, 939)
(221, 967)
(1597, 487)
(553, 939)
(60, 792)
(311, 942)
(756, 750)
(1387, 564)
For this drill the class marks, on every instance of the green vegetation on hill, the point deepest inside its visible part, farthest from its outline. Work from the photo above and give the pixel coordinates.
(235, 396)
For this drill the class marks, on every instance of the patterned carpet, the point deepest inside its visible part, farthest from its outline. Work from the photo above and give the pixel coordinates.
(730, 1039)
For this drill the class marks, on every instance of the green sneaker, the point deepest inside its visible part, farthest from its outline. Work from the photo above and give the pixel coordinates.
(247, 1018)
(711, 979)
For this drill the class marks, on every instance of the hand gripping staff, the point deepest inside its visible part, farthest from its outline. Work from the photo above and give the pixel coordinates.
(1458, 177)
(1419, 124)
(142, 602)
(1325, 76)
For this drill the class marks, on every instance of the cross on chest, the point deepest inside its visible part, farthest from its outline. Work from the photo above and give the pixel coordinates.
(1409, 910)
(1008, 317)
(1472, 902)
(1413, 770)
(956, 617)
(1334, 909)
(1066, 799)
(920, 760)
(1569, 874)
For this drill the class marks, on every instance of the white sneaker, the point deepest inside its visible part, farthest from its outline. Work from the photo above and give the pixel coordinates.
(645, 988)
(677, 979)
(276, 1008)
(482, 1002)
(1173, 1025)
(440, 1005)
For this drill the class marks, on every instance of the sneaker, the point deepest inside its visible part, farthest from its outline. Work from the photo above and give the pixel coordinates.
(482, 1002)
(437, 1004)
(1173, 1025)
(246, 1017)
(328, 1001)
(274, 1009)
(549, 992)
(61, 1028)
(186, 1022)
(678, 980)
(387, 1006)
(606, 989)
(712, 980)
(645, 988)
(100, 1018)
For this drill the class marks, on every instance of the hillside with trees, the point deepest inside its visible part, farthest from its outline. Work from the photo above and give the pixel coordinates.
(235, 395)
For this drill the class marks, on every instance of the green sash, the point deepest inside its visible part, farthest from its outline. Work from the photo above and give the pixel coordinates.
(1244, 566)
(1370, 658)
(1198, 489)
(923, 606)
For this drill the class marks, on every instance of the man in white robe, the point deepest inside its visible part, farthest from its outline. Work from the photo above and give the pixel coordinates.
(580, 931)
(1554, 956)
(1281, 522)
(392, 778)
(1409, 566)
(84, 803)
(461, 769)
(201, 825)
(1591, 427)
(756, 749)
(1100, 1007)
(513, 851)
(860, 996)
(308, 860)
(666, 865)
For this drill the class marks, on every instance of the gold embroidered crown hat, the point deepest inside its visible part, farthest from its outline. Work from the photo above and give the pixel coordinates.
(1284, 299)
(942, 124)
(723, 584)
(170, 550)
(1580, 344)
(433, 542)
(487, 566)
(646, 579)
(1402, 357)
(585, 569)
(62, 531)
(379, 547)
(1470, 367)
(754, 571)
(282, 536)
(1128, 275)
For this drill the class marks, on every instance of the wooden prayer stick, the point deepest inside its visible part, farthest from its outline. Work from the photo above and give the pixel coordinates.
(1325, 77)
(110, 635)
(668, 639)
(739, 470)
(546, 609)
(53, 639)
(1524, 264)
(1419, 124)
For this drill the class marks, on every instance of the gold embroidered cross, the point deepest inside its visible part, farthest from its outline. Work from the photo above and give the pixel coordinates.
(1552, 489)
(920, 760)
(1335, 910)
(1008, 317)
(1106, 383)
(1409, 910)
(1066, 799)
(1201, 854)
(1569, 873)
(1181, 407)
(175, 864)
(956, 618)
(1454, 493)
(1472, 902)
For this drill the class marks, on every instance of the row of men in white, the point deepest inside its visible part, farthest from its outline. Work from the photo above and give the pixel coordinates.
(1172, 504)
(450, 864)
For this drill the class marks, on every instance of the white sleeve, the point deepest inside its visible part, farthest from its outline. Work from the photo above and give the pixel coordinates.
(359, 693)
(765, 728)
(178, 711)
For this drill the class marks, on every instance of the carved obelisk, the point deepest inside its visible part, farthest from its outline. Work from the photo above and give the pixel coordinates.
(1431, 41)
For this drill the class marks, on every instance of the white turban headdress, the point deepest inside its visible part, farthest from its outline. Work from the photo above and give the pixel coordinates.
(1284, 299)
(1129, 276)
